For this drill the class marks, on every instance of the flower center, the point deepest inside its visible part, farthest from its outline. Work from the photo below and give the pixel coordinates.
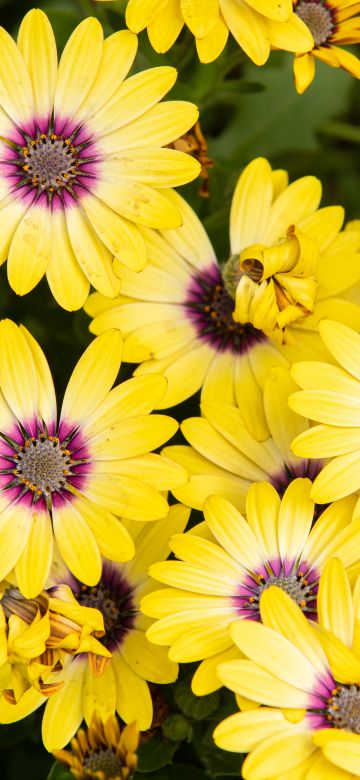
(104, 761)
(297, 581)
(343, 711)
(42, 464)
(210, 308)
(49, 162)
(318, 19)
(113, 598)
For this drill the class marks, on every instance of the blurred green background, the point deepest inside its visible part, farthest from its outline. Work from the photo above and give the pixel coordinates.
(245, 111)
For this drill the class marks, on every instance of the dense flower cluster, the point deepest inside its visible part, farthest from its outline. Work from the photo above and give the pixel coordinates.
(264, 590)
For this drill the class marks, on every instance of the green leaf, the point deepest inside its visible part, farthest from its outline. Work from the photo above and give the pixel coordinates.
(59, 772)
(197, 707)
(278, 119)
(177, 728)
(155, 754)
(219, 762)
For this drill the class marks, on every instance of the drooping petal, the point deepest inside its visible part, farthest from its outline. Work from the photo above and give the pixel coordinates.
(66, 280)
(76, 542)
(33, 566)
(64, 712)
(133, 700)
(30, 249)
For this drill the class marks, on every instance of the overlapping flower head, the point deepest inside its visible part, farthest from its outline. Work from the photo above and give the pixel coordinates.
(308, 678)
(75, 477)
(103, 752)
(225, 458)
(113, 675)
(224, 567)
(37, 637)
(331, 397)
(257, 25)
(177, 314)
(72, 192)
(331, 22)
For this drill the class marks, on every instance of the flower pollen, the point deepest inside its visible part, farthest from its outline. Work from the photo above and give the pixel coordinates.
(210, 308)
(113, 598)
(104, 761)
(343, 711)
(54, 165)
(318, 19)
(297, 580)
(42, 465)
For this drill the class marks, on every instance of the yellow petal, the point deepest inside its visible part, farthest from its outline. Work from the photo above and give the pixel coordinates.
(64, 712)
(287, 750)
(258, 685)
(99, 694)
(76, 543)
(344, 345)
(33, 566)
(138, 202)
(335, 607)
(30, 249)
(251, 205)
(135, 436)
(118, 54)
(16, 95)
(78, 68)
(18, 377)
(133, 700)
(133, 98)
(165, 28)
(94, 258)
(88, 386)
(210, 47)
(279, 10)
(66, 280)
(279, 612)
(147, 660)
(37, 44)
(295, 518)
(113, 539)
(240, 733)
(200, 15)
(274, 653)
(120, 236)
(248, 28)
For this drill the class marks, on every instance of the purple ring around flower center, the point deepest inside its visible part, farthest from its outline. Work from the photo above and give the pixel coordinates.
(56, 165)
(298, 579)
(209, 307)
(113, 597)
(39, 467)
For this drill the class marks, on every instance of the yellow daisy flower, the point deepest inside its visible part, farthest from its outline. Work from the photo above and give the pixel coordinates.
(257, 25)
(103, 752)
(120, 683)
(224, 458)
(331, 22)
(72, 479)
(224, 568)
(81, 159)
(37, 636)
(177, 314)
(290, 264)
(307, 677)
(331, 397)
